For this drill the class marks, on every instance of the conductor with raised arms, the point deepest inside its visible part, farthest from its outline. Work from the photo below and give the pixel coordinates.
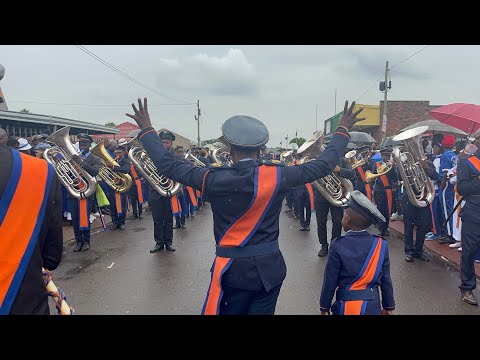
(246, 199)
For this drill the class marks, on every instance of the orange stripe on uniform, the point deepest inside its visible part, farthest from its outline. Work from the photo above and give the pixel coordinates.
(138, 184)
(175, 204)
(354, 307)
(20, 220)
(310, 196)
(433, 219)
(215, 291)
(193, 199)
(118, 202)
(82, 213)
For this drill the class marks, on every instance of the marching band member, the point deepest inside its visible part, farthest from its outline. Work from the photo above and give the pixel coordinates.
(80, 208)
(383, 190)
(468, 186)
(323, 206)
(135, 193)
(30, 231)
(118, 201)
(246, 200)
(439, 228)
(358, 265)
(361, 184)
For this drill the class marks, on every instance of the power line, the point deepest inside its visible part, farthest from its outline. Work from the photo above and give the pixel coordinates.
(376, 81)
(88, 52)
(418, 76)
(106, 105)
(409, 57)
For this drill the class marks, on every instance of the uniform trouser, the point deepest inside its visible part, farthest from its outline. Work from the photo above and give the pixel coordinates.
(304, 205)
(447, 197)
(290, 199)
(117, 217)
(470, 247)
(420, 217)
(190, 208)
(162, 220)
(81, 236)
(437, 215)
(136, 206)
(295, 197)
(180, 217)
(384, 202)
(248, 302)
(321, 210)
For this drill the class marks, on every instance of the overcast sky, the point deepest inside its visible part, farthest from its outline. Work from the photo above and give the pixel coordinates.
(279, 85)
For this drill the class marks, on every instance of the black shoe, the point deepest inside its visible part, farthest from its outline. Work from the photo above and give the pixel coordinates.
(408, 258)
(422, 257)
(469, 298)
(183, 226)
(169, 247)
(323, 251)
(192, 216)
(446, 239)
(302, 228)
(133, 217)
(158, 247)
(177, 226)
(113, 227)
(78, 247)
(121, 226)
(140, 217)
(307, 228)
(85, 246)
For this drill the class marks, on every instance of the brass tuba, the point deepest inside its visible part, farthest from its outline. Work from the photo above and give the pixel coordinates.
(196, 162)
(418, 186)
(287, 156)
(163, 185)
(382, 170)
(335, 189)
(117, 181)
(221, 154)
(79, 183)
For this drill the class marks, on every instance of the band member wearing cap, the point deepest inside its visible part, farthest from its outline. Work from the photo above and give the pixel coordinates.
(447, 161)
(468, 186)
(80, 208)
(30, 231)
(383, 190)
(182, 211)
(361, 184)
(323, 206)
(135, 193)
(37, 139)
(246, 201)
(358, 265)
(40, 149)
(162, 208)
(118, 201)
(417, 216)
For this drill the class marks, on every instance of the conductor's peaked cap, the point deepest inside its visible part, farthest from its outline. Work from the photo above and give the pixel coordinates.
(245, 132)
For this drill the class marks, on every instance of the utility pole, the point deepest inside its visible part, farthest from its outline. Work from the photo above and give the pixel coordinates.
(384, 119)
(197, 119)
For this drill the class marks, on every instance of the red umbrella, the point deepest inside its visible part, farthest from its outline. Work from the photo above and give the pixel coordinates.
(465, 117)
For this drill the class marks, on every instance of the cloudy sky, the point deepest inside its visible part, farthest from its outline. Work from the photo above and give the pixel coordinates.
(280, 85)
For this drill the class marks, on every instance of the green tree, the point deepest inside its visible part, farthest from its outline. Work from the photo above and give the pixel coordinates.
(299, 141)
(25, 111)
(111, 124)
(210, 141)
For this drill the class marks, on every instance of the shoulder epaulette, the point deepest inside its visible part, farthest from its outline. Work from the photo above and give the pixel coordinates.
(272, 162)
(220, 166)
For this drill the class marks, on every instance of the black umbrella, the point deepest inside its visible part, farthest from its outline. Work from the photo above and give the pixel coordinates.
(358, 137)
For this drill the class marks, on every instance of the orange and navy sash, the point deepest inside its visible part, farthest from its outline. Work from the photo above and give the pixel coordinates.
(83, 214)
(119, 199)
(368, 189)
(198, 193)
(22, 209)
(175, 205)
(388, 189)
(310, 197)
(241, 230)
(192, 197)
(366, 278)
(138, 184)
(474, 163)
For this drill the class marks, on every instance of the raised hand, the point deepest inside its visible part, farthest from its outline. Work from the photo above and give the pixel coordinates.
(349, 118)
(141, 117)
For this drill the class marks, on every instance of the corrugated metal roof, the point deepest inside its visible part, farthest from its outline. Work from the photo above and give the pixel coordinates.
(54, 120)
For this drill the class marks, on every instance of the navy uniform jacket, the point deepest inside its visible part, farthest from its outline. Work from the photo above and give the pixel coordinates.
(468, 186)
(359, 184)
(391, 177)
(230, 191)
(91, 165)
(345, 172)
(346, 257)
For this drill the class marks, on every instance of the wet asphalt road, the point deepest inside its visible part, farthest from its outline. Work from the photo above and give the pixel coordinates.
(118, 275)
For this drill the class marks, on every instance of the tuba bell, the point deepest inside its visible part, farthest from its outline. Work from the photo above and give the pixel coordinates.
(117, 181)
(79, 183)
(418, 186)
(335, 189)
(163, 185)
(196, 162)
(382, 170)
(221, 154)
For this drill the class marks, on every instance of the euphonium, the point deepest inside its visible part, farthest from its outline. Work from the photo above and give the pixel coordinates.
(416, 183)
(194, 159)
(287, 156)
(79, 183)
(221, 154)
(382, 170)
(335, 189)
(163, 185)
(117, 181)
